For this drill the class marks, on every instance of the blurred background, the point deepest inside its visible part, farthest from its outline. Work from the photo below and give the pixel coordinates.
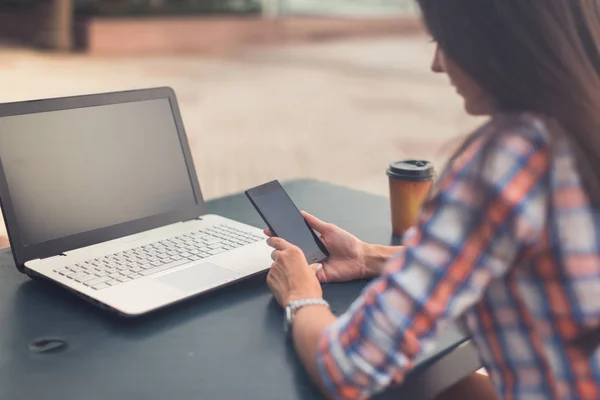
(269, 89)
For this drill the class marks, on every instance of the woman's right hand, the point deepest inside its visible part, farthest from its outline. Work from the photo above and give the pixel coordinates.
(346, 260)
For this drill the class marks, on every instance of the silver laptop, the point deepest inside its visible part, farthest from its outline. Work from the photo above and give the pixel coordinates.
(100, 195)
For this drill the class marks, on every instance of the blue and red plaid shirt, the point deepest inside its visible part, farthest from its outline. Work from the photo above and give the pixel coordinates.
(522, 268)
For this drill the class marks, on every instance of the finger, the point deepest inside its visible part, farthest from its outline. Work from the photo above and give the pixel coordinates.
(315, 222)
(274, 255)
(269, 279)
(316, 267)
(279, 243)
(268, 232)
(322, 276)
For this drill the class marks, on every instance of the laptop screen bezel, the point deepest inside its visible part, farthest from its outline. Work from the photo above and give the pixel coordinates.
(23, 253)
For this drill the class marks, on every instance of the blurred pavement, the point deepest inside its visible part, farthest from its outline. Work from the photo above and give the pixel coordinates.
(337, 111)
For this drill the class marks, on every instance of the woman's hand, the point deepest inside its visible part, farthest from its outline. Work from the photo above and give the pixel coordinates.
(290, 277)
(347, 253)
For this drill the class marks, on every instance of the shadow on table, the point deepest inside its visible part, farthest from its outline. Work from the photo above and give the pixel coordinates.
(51, 303)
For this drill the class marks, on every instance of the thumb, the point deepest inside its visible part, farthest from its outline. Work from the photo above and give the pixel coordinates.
(314, 222)
(318, 269)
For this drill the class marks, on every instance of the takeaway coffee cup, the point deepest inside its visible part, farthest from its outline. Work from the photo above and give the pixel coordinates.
(410, 185)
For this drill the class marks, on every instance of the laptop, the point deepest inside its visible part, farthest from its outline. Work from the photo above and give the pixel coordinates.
(100, 195)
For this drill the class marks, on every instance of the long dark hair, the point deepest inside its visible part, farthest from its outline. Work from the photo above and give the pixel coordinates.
(540, 56)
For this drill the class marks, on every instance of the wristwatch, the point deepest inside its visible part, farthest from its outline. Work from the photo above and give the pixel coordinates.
(294, 306)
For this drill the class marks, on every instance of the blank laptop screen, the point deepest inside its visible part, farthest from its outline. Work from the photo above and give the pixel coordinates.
(78, 170)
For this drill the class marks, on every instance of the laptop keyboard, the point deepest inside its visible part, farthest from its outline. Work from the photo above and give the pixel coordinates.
(114, 269)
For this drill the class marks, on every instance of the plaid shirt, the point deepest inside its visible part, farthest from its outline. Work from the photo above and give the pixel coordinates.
(522, 267)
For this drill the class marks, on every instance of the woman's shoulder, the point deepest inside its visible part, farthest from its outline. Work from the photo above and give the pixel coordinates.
(531, 127)
(505, 141)
(515, 133)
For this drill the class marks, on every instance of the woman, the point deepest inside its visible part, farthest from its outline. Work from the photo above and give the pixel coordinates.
(511, 240)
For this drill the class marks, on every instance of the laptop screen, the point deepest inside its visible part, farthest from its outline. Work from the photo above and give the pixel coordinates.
(78, 170)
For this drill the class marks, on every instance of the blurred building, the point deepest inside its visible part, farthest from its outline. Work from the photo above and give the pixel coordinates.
(147, 26)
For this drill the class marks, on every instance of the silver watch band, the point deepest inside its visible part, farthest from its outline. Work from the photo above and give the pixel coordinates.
(295, 305)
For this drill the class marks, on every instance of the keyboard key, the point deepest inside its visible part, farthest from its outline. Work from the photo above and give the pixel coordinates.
(93, 282)
(112, 282)
(76, 275)
(164, 267)
(216, 251)
(123, 279)
(84, 278)
(64, 271)
(101, 286)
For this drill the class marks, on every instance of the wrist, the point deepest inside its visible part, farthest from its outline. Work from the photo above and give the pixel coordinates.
(296, 306)
(375, 257)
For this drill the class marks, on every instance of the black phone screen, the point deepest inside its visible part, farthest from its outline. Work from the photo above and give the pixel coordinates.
(285, 221)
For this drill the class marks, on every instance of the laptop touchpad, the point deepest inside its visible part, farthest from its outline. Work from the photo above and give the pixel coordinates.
(198, 277)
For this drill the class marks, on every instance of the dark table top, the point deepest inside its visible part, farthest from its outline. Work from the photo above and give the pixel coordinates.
(225, 345)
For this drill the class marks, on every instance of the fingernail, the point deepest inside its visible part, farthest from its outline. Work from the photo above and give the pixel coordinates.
(319, 267)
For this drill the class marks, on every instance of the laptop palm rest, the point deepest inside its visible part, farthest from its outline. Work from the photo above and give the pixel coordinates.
(199, 276)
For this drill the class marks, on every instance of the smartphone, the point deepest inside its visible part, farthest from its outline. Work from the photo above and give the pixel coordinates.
(284, 220)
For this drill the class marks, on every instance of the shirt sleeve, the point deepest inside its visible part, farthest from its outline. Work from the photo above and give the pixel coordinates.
(470, 234)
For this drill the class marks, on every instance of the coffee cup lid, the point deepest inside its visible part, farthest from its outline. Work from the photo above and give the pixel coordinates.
(411, 170)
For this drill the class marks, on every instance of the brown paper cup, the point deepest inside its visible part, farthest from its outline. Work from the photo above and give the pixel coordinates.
(410, 184)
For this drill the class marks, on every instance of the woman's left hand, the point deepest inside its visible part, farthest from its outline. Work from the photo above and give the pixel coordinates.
(290, 277)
